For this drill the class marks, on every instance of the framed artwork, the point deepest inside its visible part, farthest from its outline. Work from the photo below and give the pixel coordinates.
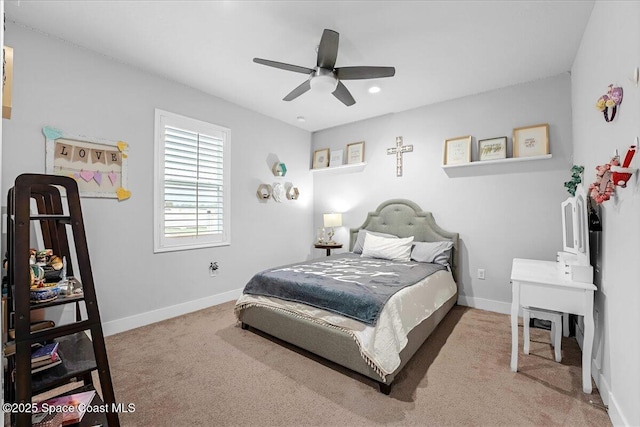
(492, 149)
(355, 152)
(321, 158)
(98, 166)
(336, 158)
(531, 141)
(457, 150)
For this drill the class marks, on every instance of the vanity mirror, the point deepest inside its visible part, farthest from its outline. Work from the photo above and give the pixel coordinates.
(575, 237)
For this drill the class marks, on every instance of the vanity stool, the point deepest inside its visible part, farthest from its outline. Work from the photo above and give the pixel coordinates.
(555, 317)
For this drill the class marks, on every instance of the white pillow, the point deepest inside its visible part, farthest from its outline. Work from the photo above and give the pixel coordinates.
(436, 252)
(357, 247)
(394, 249)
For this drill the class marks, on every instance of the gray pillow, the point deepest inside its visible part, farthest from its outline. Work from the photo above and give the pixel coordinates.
(436, 252)
(359, 245)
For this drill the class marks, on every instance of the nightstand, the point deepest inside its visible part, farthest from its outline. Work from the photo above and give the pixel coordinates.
(328, 246)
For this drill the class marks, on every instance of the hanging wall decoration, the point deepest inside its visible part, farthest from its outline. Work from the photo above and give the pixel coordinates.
(603, 188)
(610, 100)
(98, 166)
(620, 175)
(576, 178)
(398, 150)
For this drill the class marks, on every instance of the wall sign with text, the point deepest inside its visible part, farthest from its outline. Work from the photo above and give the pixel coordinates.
(98, 166)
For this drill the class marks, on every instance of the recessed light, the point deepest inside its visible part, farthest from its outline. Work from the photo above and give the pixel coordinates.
(374, 89)
(301, 119)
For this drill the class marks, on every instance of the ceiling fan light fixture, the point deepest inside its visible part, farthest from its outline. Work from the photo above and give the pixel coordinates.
(374, 89)
(324, 81)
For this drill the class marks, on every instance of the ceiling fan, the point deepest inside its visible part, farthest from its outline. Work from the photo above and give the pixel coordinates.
(325, 75)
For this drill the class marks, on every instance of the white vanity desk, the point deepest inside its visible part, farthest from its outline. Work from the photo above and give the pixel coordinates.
(565, 286)
(542, 284)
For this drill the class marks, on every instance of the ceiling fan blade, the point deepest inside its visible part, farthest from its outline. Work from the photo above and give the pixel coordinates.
(343, 94)
(298, 91)
(358, 73)
(283, 66)
(328, 49)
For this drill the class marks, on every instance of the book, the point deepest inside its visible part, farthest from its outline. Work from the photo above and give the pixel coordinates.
(46, 352)
(75, 404)
(49, 364)
(46, 419)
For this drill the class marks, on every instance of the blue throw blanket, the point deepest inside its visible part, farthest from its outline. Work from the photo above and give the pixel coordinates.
(346, 284)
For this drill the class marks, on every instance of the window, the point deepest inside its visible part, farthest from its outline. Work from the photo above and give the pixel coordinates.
(192, 197)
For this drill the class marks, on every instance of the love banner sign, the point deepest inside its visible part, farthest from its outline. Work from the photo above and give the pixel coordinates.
(99, 167)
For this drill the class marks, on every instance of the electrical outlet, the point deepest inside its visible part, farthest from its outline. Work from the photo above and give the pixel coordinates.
(481, 273)
(213, 269)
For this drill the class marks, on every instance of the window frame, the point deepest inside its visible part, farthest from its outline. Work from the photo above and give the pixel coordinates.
(160, 242)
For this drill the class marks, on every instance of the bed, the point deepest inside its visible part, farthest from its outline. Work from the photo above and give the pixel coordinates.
(378, 351)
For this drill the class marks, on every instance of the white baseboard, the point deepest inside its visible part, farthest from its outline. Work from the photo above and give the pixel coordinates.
(485, 304)
(613, 409)
(131, 322)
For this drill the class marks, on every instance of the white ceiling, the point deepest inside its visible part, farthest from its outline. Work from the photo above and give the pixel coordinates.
(441, 49)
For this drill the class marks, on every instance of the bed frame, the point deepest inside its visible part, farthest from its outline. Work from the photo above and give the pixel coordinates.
(402, 218)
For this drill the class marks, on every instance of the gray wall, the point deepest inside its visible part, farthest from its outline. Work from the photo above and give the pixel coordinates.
(501, 211)
(609, 57)
(60, 85)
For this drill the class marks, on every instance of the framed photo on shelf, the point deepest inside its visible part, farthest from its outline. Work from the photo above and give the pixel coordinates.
(531, 141)
(336, 158)
(321, 158)
(457, 150)
(355, 152)
(492, 149)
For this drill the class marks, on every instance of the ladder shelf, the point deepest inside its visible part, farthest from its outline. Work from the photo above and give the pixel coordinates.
(81, 354)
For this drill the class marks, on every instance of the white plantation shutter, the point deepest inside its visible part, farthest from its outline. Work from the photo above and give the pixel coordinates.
(192, 197)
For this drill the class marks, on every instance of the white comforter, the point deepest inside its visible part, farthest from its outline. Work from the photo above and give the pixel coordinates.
(380, 345)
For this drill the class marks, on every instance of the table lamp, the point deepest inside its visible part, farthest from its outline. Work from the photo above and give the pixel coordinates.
(332, 220)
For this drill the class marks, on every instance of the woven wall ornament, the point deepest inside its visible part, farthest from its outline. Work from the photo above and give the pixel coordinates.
(611, 99)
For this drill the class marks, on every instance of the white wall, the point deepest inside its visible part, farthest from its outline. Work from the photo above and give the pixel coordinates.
(608, 55)
(501, 211)
(69, 88)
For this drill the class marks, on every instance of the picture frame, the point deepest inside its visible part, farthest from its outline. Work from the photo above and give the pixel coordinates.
(492, 148)
(355, 152)
(457, 150)
(99, 166)
(320, 158)
(531, 141)
(336, 158)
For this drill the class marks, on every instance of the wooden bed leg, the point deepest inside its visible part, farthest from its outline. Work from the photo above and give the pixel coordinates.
(244, 326)
(384, 388)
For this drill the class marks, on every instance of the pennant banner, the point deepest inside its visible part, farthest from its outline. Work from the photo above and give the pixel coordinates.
(98, 156)
(81, 154)
(63, 151)
(114, 158)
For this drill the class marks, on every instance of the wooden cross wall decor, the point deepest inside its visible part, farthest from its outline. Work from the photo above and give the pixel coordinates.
(398, 150)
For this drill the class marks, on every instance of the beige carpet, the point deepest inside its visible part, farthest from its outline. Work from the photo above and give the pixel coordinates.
(202, 369)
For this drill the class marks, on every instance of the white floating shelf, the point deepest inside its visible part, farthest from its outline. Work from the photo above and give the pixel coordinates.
(354, 167)
(498, 161)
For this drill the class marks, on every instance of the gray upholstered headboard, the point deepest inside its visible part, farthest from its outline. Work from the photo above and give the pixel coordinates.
(404, 218)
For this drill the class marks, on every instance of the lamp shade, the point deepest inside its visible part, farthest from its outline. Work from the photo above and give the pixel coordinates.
(333, 220)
